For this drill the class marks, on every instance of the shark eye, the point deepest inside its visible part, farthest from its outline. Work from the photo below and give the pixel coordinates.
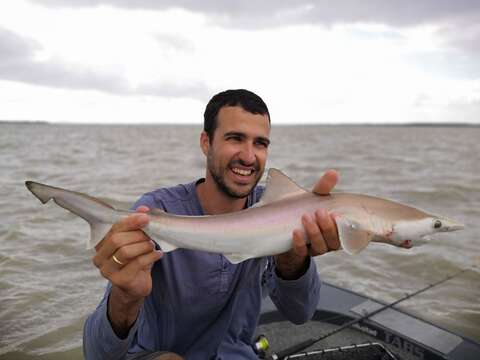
(437, 224)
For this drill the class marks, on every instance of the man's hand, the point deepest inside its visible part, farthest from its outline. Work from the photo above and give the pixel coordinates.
(125, 257)
(318, 237)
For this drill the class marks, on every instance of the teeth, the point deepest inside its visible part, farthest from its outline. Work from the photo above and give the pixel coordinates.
(241, 171)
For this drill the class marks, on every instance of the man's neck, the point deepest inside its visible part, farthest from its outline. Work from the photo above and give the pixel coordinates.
(214, 201)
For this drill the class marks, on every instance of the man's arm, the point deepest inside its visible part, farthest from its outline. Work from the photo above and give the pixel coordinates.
(296, 299)
(296, 285)
(124, 257)
(319, 235)
(99, 338)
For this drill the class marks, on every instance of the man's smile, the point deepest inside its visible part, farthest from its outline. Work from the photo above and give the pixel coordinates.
(242, 172)
(243, 175)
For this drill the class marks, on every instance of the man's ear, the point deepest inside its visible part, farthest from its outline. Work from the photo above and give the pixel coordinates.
(204, 142)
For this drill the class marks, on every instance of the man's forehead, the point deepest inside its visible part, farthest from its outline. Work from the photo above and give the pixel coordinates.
(236, 118)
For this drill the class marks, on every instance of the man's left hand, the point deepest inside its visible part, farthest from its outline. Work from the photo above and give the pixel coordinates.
(318, 236)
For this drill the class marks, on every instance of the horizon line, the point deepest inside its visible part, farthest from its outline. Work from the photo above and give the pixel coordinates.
(419, 124)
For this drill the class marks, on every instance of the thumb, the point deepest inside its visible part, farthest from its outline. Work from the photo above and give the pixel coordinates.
(143, 209)
(326, 183)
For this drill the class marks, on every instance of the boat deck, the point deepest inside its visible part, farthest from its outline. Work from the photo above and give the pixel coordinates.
(284, 334)
(405, 335)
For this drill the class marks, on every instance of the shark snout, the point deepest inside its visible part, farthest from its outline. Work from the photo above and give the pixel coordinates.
(457, 226)
(451, 225)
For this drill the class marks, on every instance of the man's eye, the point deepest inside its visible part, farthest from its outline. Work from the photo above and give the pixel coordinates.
(262, 144)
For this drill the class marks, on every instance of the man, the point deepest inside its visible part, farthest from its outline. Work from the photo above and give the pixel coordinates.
(197, 304)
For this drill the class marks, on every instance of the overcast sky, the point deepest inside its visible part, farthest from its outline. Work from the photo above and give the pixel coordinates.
(145, 61)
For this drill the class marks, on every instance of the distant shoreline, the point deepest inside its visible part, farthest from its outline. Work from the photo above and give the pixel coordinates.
(44, 122)
(25, 122)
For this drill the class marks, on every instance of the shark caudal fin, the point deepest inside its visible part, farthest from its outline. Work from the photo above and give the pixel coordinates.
(97, 213)
(353, 237)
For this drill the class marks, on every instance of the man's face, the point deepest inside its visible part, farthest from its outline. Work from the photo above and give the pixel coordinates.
(237, 154)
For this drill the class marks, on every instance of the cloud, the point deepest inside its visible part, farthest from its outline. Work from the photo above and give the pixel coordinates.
(463, 111)
(448, 63)
(463, 33)
(19, 63)
(457, 20)
(175, 90)
(175, 43)
(259, 13)
(13, 47)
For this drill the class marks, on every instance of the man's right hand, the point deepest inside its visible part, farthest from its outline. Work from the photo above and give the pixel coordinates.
(131, 280)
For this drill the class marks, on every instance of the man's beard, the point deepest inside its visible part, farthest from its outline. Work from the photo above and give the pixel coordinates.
(218, 176)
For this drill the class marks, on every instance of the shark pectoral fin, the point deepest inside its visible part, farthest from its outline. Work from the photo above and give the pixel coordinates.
(98, 231)
(353, 237)
(237, 258)
(165, 246)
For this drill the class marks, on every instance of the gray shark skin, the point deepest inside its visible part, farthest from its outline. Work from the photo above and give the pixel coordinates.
(266, 228)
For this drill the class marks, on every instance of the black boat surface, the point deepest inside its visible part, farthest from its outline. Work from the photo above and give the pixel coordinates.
(360, 328)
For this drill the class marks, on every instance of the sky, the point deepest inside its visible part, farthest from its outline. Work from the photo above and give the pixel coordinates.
(160, 61)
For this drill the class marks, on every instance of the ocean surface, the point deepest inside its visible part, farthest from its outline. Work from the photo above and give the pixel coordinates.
(48, 284)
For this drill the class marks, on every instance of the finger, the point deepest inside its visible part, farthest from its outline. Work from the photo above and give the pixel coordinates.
(115, 242)
(328, 228)
(131, 222)
(128, 274)
(299, 243)
(125, 255)
(129, 252)
(326, 183)
(317, 243)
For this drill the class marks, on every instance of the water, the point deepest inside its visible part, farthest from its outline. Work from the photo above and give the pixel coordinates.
(48, 284)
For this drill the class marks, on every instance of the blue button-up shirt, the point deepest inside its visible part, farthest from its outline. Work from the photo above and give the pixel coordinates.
(201, 305)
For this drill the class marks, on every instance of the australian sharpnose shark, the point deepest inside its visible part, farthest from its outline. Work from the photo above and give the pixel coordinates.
(266, 228)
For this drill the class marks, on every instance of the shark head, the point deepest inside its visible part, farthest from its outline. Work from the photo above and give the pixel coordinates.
(443, 224)
(406, 234)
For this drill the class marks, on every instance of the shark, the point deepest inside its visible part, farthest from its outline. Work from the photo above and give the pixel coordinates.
(266, 228)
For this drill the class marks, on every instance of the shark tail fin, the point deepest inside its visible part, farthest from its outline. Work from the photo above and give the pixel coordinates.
(353, 237)
(97, 213)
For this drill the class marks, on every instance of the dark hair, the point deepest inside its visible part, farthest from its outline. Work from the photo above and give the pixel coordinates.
(248, 100)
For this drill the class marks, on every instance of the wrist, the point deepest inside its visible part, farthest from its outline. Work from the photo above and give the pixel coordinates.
(291, 269)
(122, 311)
(124, 298)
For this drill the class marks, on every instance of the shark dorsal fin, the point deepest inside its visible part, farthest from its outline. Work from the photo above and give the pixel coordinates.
(279, 186)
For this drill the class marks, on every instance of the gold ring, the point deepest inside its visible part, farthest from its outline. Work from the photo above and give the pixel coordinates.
(114, 258)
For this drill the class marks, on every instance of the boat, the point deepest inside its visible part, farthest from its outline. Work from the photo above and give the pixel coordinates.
(354, 326)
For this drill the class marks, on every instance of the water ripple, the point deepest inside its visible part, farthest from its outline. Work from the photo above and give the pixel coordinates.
(44, 268)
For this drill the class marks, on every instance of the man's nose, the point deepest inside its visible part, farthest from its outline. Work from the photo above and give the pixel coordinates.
(247, 154)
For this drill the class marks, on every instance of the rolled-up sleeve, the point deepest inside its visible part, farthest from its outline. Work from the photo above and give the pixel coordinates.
(99, 339)
(296, 299)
